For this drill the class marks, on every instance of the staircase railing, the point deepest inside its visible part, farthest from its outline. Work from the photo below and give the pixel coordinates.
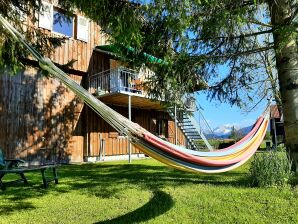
(199, 126)
(206, 129)
(193, 129)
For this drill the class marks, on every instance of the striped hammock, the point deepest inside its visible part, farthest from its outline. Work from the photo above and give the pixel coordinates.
(175, 156)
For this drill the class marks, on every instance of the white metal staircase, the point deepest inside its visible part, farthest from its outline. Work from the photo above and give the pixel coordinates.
(191, 128)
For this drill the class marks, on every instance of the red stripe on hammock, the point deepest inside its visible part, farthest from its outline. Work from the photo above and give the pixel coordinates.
(191, 158)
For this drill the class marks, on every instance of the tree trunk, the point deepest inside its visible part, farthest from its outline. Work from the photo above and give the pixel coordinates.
(286, 51)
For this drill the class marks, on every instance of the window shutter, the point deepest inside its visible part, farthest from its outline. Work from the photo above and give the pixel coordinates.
(46, 16)
(82, 29)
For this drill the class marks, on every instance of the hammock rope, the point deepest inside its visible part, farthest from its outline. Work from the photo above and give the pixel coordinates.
(216, 161)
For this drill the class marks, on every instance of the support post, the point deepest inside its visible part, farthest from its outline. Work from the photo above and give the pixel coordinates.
(103, 142)
(87, 133)
(176, 129)
(100, 148)
(129, 117)
(275, 135)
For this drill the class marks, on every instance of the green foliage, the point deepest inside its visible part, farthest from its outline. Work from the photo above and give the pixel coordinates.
(270, 168)
(268, 136)
(226, 143)
(215, 143)
(10, 54)
(233, 134)
(194, 38)
(202, 145)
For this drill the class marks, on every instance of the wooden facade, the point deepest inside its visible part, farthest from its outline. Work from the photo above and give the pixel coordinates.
(36, 112)
(114, 143)
(41, 120)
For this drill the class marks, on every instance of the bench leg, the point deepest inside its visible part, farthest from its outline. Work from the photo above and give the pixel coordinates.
(55, 175)
(44, 180)
(24, 178)
(2, 186)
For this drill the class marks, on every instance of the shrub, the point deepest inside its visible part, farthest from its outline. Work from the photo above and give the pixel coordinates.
(226, 143)
(272, 168)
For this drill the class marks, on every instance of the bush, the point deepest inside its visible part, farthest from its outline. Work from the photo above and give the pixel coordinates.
(272, 168)
(226, 143)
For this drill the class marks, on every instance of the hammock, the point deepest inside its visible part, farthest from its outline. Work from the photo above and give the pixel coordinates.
(175, 156)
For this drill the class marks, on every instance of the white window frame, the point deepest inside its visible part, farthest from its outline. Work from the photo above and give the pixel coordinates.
(78, 28)
(42, 25)
(75, 32)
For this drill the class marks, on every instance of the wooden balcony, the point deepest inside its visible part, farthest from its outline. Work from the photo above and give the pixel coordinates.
(137, 101)
(114, 86)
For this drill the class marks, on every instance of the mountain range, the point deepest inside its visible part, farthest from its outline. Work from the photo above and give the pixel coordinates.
(225, 131)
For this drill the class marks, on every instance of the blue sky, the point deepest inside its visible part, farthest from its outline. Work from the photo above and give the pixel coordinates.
(222, 114)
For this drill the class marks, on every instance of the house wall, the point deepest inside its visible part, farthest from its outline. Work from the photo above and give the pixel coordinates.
(38, 113)
(41, 120)
(98, 129)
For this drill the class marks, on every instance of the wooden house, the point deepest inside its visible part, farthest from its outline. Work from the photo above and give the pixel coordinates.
(41, 120)
(277, 131)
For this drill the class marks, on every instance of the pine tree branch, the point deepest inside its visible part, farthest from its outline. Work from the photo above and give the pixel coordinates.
(239, 53)
(260, 23)
(236, 37)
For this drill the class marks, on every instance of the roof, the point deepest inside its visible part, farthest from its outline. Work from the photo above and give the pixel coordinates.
(274, 112)
(113, 49)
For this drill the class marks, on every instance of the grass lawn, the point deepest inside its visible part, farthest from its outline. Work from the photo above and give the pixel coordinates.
(146, 192)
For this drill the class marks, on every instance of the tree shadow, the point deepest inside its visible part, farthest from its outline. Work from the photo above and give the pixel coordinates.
(7, 209)
(16, 196)
(39, 122)
(159, 204)
(104, 180)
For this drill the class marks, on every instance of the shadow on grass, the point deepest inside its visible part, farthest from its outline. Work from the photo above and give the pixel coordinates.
(159, 204)
(104, 180)
(14, 197)
(18, 206)
(106, 177)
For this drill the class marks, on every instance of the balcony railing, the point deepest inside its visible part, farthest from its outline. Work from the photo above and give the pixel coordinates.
(115, 80)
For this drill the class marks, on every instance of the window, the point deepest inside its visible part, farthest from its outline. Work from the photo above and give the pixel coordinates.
(46, 16)
(56, 20)
(162, 128)
(62, 23)
(82, 29)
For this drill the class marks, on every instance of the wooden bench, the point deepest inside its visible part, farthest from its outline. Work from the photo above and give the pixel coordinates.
(22, 170)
